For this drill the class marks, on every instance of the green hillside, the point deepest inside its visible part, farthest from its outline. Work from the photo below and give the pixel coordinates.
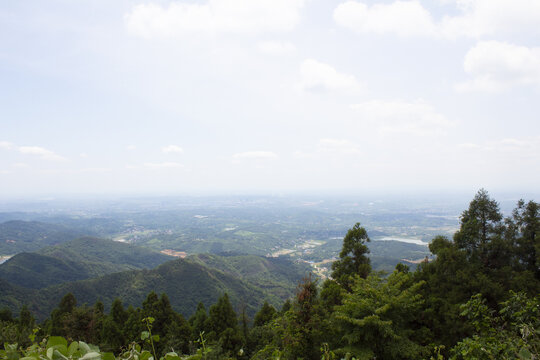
(100, 256)
(35, 271)
(18, 236)
(278, 276)
(249, 281)
(77, 259)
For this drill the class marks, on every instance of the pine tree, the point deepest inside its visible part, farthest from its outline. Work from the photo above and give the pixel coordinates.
(221, 317)
(265, 314)
(353, 260)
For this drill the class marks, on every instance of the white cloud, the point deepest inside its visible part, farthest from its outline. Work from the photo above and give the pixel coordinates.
(318, 76)
(403, 18)
(330, 148)
(232, 16)
(255, 155)
(131, 147)
(98, 170)
(414, 118)
(276, 47)
(338, 146)
(20, 165)
(163, 165)
(476, 18)
(496, 66)
(529, 146)
(469, 146)
(40, 152)
(6, 145)
(172, 149)
(488, 17)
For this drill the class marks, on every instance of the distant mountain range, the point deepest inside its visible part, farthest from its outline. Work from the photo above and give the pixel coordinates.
(96, 269)
(77, 259)
(17, 236)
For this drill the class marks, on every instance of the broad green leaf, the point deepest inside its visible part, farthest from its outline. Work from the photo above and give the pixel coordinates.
(145, 355)
(74, 346)
(50, 352)
(107, 356)
(145, 335)
(61, 349)
(91, 355)
(58, 354)
(172, 356)
(94, 348)
(56, 340)
(84, 347)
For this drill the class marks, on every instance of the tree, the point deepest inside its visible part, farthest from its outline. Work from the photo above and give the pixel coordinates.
(25, 325)
(480, 225)
(265, 315)
(510, 333)
(303, 324)
(198, 321)
(118, 314)
(377, 318)
(57, 326)
(524, 228)
(352, 258)
(221, 316)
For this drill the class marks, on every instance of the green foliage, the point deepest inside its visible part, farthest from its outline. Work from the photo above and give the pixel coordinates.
(265, 315)
(377, 318)
(19, 236)
(480, 225)
(458, 305)
(512, 333)
(186, 281)
(352, 258)
(198, 321)
(524, 228)
(303, 324)
(77, 259)
(221, 317)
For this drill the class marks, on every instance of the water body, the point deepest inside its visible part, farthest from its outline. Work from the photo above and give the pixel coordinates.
(405, 240)
(3, 259)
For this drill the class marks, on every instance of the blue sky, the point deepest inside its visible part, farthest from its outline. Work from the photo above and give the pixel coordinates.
(268, 95)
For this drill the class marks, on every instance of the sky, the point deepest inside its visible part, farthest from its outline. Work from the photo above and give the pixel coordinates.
(210, 96)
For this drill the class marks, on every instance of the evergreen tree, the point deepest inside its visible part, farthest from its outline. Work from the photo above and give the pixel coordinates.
(198, 321)
(6, 315)
(377, 317)
(353, 258)
(524, 228)
(57, 325)
(25, 325)
(98, 317)
(265, 314)
(480, 225)
(221, 317)
(117, 313)
(303, 324)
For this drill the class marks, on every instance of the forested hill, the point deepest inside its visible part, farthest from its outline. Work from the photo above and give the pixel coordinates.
(78, 259)
(478, 298)
(249, 280)
(17, 236)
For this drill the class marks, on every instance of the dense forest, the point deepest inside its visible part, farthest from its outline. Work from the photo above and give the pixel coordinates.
(477, 299)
